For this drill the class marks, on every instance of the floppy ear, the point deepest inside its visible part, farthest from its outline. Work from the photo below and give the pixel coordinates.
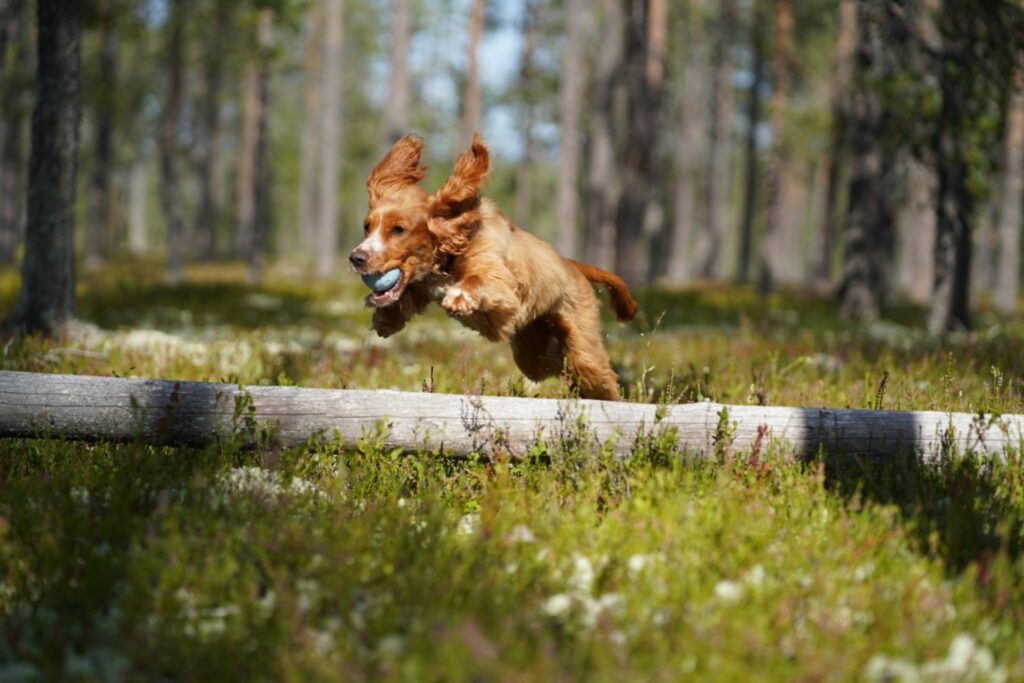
(462, 189)
(399, 167)
(453, 210)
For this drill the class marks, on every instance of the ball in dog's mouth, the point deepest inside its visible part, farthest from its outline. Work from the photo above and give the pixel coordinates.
(384, 285)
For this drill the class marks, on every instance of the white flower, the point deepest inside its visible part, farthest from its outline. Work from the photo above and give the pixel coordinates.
(582, 574)
(556, 605)
(755, 576)
(728, 591)
(520, 534)
(468, 524)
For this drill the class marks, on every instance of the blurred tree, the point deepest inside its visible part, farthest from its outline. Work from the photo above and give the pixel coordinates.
(839, 88)
(1011, 219)
(778, 247)
(397, 109)
(312, 131)
(881, 41)
(709, 245)
(98, 226)
(330, 128)
(570, 101)
(46, 301)
(170, 116)
(471, 93)
(261, 188)
(750, 154)
(209, 130)
(15, 105)
(528, 86)
(603, 185)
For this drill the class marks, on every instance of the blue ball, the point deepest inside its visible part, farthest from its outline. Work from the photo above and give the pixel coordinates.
(384, 281)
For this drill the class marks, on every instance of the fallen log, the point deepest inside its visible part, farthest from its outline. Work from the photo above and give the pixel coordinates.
(200, 413)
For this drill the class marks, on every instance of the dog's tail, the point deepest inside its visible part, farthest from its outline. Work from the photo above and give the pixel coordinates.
(622, 302)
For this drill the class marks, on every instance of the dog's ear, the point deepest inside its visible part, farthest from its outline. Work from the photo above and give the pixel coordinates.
(454, 209)
(462, 189)
(399, 167)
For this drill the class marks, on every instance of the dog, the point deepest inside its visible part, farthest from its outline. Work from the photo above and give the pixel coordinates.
(457, 249)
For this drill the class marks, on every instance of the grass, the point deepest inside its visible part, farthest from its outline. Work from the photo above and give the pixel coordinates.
(351, 562)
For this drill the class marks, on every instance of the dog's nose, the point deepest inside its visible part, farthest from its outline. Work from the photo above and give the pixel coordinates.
(358, 258)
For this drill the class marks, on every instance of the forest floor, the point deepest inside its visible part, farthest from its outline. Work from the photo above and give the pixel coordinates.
(351, 562)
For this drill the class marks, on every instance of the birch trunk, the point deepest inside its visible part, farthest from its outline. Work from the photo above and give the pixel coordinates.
(570, 101)
(1011, 218)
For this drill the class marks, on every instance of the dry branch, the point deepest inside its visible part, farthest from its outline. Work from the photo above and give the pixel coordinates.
(200, 413)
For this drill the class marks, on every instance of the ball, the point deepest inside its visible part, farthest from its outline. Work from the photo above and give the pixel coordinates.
(384, 281)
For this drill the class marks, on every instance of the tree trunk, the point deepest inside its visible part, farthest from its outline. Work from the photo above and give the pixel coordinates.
(750, 148)
(327, 214)
(644, 71)
(100, 200)
(261, 168)
(778, 248)
(839, 88)
(471, 94)
(46, 301)
(170, 190)
(210, 191)
(312, 130)
(603, 183)
(570, 101)
(917, 233)
(396, 113)
(527, 86)
(245, 178)
(869, 231)
(15, 103)
(1011, 218)
(138, 238)
(709, 247)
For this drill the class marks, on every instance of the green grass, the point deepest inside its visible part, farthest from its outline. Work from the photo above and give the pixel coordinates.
(349, 562)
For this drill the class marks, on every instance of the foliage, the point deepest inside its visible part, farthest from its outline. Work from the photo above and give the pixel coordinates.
(351, 562)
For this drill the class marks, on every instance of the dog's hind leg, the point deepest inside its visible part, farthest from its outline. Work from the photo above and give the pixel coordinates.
(537, 348)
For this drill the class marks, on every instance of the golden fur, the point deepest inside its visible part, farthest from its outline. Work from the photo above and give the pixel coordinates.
(458, 249)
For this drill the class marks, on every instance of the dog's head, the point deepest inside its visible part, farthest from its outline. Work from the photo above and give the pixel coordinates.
(407, 229)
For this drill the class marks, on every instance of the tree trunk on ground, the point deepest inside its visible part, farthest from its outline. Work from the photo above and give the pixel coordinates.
(46, 301)
(170, 190)
(210, 192)
(603, 184)
(839, 88)
(570, 101)
(15, 103)
(327, 213)
(644, 92)
(750, 148)
(312, 130)
(1011, 219)
(396, 113)
(778, 248)
(709, 246)
(100, 200)
(870, 216)
(527, 85)
(471, 94)
(261, 168)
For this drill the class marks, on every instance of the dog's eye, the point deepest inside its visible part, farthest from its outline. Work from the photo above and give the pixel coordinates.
(397, 230)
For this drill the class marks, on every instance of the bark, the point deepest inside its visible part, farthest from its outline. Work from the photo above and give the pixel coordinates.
(100, 191)
(570, 101)
(778, 257)
(210, 190)
(750, 150)
(46, 301)
(396, 113)
(312, 131)
(603, 184)
(327, 214)
(654, 228)
(709, 248)
(839, 88)
(15, 103)
(471, 94)
(527, 85)
(170, 189)
(245, 178)
(171, 413)
(1011, 218)
(261, 168)
(870, 216)
(643, 87)
(918, 233)
(138, 238)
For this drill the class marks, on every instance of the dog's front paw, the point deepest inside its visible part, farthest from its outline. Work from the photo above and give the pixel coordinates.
(460, 302)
